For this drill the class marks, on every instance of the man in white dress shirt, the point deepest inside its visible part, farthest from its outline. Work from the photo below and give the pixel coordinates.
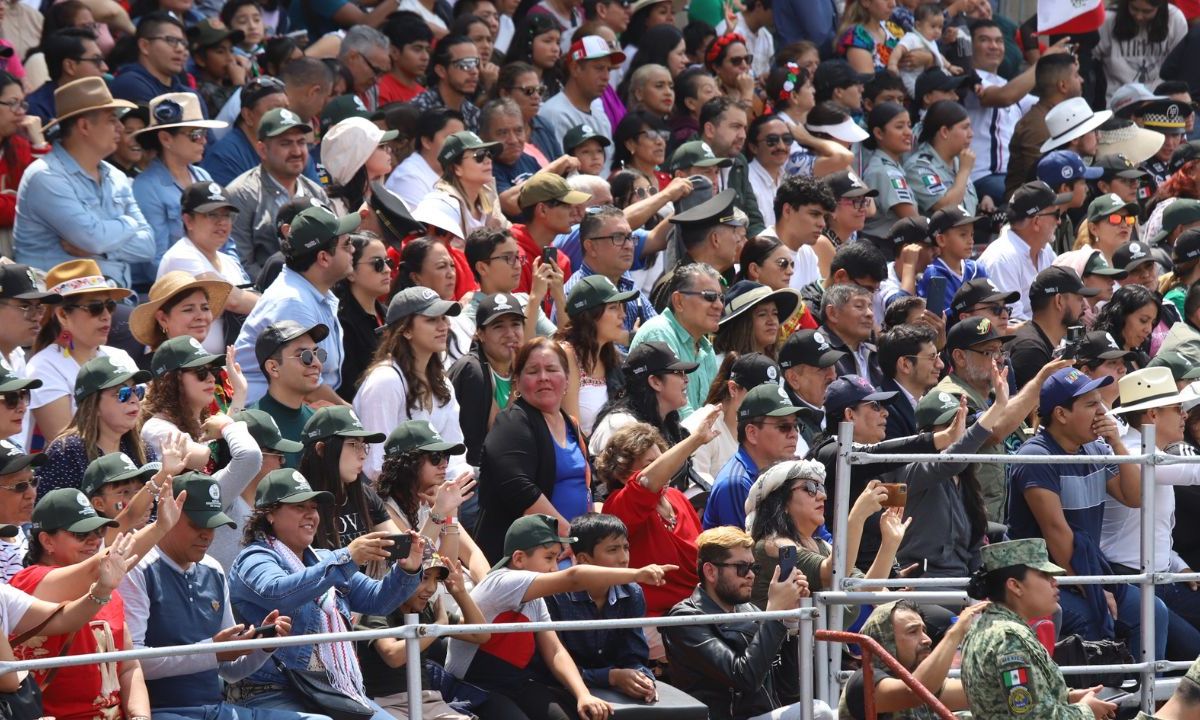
(1022, 250)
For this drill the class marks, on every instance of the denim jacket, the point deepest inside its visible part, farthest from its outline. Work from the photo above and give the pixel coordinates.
(259, 583)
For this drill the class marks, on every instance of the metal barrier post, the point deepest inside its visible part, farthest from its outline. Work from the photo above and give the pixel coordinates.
(412, 666)
(841, 498)
(804, 651)
(822, 653)
(1149, 594)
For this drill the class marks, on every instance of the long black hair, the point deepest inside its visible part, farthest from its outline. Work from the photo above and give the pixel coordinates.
(1126, 28)
(630, 127)
(986, 585)
(653, 48)
(322, 468)
(1127, 300)
(639, 400)
(772, 517)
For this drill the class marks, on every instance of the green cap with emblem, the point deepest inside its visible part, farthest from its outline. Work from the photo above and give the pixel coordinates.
(766, 400)
(697, 153)
(277, 121)
(1110, 204)
(418, 435)
(68, 509)
(338, 420)
(1030, 552)
(10, 382)
(12, 459)
(203, 502)
(457, 144)
(182, 352)
(288, 487)
(529, 532)
(114, 468)
(1097, 265)
(594, 291)
(936, 407)
(101, 373)
(342, 107)
(580, 134)
(312, 229)
(1183, 211)
(266, 432)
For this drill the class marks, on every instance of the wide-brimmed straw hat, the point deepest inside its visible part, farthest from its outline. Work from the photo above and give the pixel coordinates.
(145, 327)
(174, 110)
(75, 277)
(84, 95)
(1148, 388)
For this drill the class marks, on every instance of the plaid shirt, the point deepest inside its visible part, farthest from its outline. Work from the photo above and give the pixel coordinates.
(431, 99)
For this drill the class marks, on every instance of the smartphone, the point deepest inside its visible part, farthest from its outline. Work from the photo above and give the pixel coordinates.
(550, 255)
(1112, 695)
(897, 494)
(787, 561)
(935, 297)
(265, 631)
(403, 545)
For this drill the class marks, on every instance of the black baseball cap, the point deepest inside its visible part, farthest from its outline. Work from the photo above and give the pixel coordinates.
(653, 357)
(1183, 154)
(1098, 345)
(417, 300)
(1056, 280)
(494, 307)
(847, 184)
(278, 334)
(1116, 165)
(204, 197)
(1131, 255)
(18, 282)
(833, 74)
(979, 291)
(1034, 197)
(1187, 246)
(974, 331)
(943, 220)
(909, 230)
(753, 369)
(808, 347)
(937, 79)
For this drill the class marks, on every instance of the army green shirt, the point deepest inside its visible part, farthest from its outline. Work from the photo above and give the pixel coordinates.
(1006, 673)
(930, 178)
(887, 176)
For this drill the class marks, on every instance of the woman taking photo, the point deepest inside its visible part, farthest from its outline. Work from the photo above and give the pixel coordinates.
(522, 83)
(426, 262)
(355, 153)
(640, 142)
(74, 332)
(737, 375)
(652, 90)
(729, 59)
(891, 139)
(359, 309)
(656, 383)
(867, 35)
(534, 458)
(596, 324)
(285, 568)
(537, 42)
(406, 379)
(467, 181)
(1129, 317)
(752, 318)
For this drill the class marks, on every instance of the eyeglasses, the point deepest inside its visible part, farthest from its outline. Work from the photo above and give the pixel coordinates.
(376, 71)
(31, 311)
(437, 458)
(641, 193)
(989, 354)
(873, 404)
(998, 310)
(467, 64)
(14, 398)
(95, 309)
(309, 356)
(741, 568)
(663, 135)
(204, 373)
(355, 445)
(195, 135)
(785, 428)
(129, 391)
(510, 259)
(21, 487)
(856, 203)
(98, 60)
(531, 90)
(15, 104)
(775, 139)
(676, 373)
(617, 239)
(378, 264)
(930, 358)
(174, 42)
(709, 296)
(744, 60)
(1118, 219)
(813, 488)
(1055, 214)
(85, 536)
(480, 155)
(219, 215)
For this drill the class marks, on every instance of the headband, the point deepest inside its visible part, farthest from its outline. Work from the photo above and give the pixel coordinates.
(719, 46)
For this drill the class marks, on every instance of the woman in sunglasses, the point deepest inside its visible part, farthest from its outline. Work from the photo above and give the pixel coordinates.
(522, 83)
(180, 401)
(467, 181)
(640, 142)
(729, 59)
(73, 333)
(1110, 225)
(359, 309)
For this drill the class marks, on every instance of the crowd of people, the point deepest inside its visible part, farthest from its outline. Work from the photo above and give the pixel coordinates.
(315, 314)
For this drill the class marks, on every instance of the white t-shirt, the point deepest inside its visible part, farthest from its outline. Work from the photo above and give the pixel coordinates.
(916, 41)
(499, 593)
(185, 256)
(13, 606)
(412, 180)
(15, 362)
(57, 371)
(430, 18)
(764, 187)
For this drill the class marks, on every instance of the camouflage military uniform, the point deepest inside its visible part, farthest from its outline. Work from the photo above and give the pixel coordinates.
(1006, 673)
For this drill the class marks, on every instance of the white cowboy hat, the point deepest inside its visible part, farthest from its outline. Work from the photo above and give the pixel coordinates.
(1148, 388)
(1071, 119)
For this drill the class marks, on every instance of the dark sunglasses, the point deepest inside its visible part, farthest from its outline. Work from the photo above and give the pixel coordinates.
(205, 372)
(709, 296)
(773, 139)
(378, 264)
(129, 391)
(307, 357)
(742, 568)
(21, 486)
(1118, 219)
(531, 90)
(85, 536)
(437, 458)
(14, 398)
(746, 60)
(95, 309)
(813, 488)
(481, 154)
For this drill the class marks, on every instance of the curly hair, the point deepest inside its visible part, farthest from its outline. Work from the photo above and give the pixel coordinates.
(616, 461)
(398, 480)
(580, 333)
(1127, 300)
(423, 388)
(164, 399)
(258, 527)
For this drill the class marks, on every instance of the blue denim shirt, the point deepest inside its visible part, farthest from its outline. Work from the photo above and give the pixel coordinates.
(160, 198)
(259, 582)
(58, 200)
(598, 651)
(293, 297)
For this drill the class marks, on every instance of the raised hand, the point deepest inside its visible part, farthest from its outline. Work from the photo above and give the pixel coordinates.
(118, 560)
(368, 547)
(451, 494)
(708, 428)
(237, 379)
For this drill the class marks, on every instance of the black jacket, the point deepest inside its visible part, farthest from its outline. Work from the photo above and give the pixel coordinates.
(902, 416)
(516, 467)
(848, 365)
(728, 667)
(471, 377)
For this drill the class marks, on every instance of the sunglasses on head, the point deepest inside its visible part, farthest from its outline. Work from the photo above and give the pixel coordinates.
(129, 391)
(308, 357)
(22, 486)
(14, 398)
(741, 568)
(1118, 219)
(95, 308)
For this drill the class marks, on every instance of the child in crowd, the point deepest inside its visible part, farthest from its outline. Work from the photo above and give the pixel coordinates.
(924, 36)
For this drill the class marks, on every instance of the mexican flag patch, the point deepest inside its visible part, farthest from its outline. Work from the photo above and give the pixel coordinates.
(899, 183)
(1015, 678)
(931, 180)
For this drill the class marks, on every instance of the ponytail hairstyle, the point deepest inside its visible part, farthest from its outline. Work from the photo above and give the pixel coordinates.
(992, 585)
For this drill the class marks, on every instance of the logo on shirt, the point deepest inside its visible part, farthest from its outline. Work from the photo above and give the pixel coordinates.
(931, 180)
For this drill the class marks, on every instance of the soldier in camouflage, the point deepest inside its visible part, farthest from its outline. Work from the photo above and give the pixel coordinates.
(1006, 672)
(1184, 703)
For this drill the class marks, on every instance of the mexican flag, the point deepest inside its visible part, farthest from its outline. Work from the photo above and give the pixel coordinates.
(1069, 17)
(1013, 678)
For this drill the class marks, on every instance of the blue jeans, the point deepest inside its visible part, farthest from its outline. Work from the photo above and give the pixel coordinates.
(1184, 604)
(1077, 619)
(991, 186)
(227, 711)
(288, 700)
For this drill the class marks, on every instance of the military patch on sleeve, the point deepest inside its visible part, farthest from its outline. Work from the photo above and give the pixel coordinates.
(1020, 701)
(1016, 683)
(932, 182)
(899, 183)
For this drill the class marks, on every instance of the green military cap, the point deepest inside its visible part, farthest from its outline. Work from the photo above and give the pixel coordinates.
(265, 432)
(766, 400)
(277, 121)
(288, 487)
(342, 107)
(340, 421)
(68, 509)
(936, 407)
(182, 352)
(101, 373)
(418, 435)
(10, 382)
(459, 143)
(210, 32)
(580, 134)
(1183, 211)
(1030, 552)
(546, 186)
(1109, 204)
(114, 468)
(592, 292)
(314, 228)
(203, 502)
(697, 153)
(528, 532)
(717, 210)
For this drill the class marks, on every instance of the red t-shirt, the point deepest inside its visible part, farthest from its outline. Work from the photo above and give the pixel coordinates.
(651, 542)
(531, 250)
(81, 692)
(392, 90)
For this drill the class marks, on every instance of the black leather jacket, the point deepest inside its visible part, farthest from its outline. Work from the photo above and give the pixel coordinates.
(729, 667)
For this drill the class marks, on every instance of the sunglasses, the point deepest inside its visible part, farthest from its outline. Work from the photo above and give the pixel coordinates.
(129, 391)
(785, 428)
(785, 263)
(813, 488)
(745, 60)
(95, 309)
(85, 536)
(742, 568)
(21, 487)
(14, 398)
(677, 373)
(1117, 219)
(531, 90)
(308, 357)
(709, 296)
(194, 135)
(204, 373)
(378, 264)
(999, 310)
(873, 404)
(480, 155)
(856, 203)
(773, 139)
(466, 64)
(437, 458)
